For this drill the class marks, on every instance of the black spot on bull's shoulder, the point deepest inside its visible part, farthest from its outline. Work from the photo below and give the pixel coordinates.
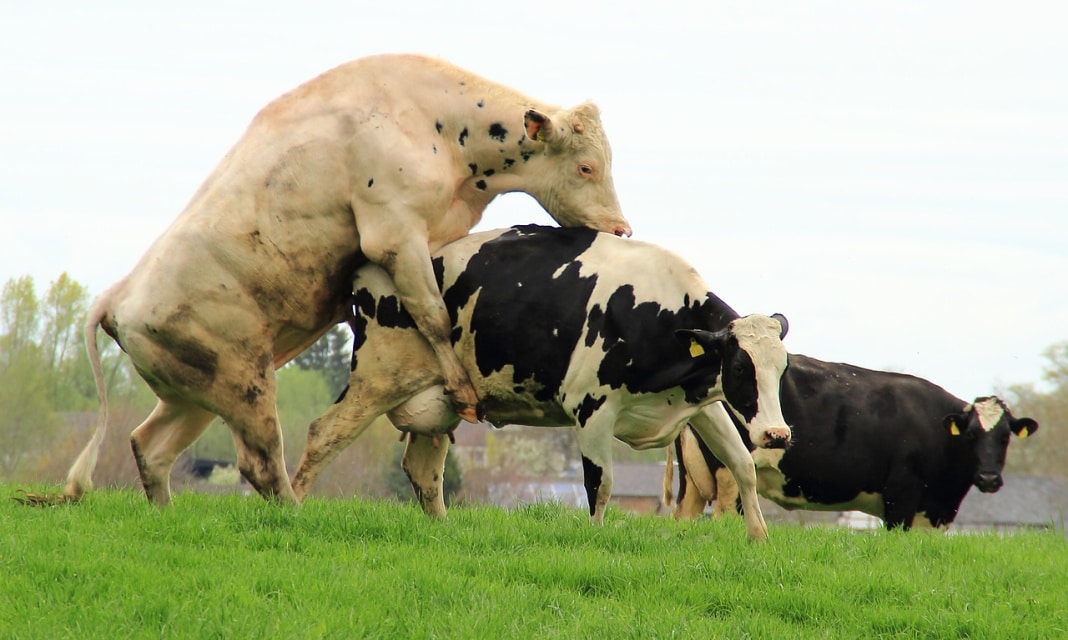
(463, 137)
(438, 126)
(531, 306)
(481, 185)
(498, 132)
(641, 350)
(473, 167)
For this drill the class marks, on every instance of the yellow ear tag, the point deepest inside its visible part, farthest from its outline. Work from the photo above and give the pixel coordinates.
(953, 430)
(696, 349)
(1023, 434)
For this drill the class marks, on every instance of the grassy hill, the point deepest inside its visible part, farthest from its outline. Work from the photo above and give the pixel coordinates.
(231, 567)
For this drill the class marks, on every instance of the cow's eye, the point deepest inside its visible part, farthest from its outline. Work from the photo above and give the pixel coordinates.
(585, 169)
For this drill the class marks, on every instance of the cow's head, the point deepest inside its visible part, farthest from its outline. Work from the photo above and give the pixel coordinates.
(571, 176)
(752, 360)
(986, 425)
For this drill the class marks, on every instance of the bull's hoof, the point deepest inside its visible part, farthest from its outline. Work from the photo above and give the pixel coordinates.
(41, 499)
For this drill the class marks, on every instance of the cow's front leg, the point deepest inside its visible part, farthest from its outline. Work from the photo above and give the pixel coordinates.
(595, 442)
(715, 428)
(408, 264)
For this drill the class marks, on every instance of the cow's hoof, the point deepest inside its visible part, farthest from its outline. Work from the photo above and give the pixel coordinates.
(470, 412)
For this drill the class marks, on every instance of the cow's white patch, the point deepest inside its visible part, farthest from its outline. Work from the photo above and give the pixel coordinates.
(990, 413)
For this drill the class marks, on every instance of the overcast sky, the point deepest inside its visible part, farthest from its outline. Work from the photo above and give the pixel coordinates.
(892, 176)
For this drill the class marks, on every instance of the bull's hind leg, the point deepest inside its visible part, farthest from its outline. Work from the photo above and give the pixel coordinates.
(715, 428)
(160, 439)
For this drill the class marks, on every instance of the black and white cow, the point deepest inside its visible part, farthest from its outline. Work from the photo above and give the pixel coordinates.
(888, 444)
(561, 327)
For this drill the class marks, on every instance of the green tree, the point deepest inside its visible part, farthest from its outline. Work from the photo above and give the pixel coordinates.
(26, 416)
(1048, 404)
(331, 355)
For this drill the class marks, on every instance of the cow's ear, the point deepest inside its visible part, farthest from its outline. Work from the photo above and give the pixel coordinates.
(539, 126)
(782, 323)
(699, 342)
(1024, 427)
(953, 423)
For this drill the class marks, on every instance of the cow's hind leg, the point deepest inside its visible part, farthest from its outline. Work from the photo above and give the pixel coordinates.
(160, 439)
(715, 428)
(424, 462)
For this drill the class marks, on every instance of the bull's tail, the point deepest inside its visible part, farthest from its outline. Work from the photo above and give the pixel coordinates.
(80, 476)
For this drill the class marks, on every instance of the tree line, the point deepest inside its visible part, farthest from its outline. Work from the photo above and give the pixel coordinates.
(48, 404)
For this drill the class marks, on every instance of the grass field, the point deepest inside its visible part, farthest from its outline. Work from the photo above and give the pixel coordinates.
(231, 567)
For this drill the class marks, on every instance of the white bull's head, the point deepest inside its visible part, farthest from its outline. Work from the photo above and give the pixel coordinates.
(571, 177)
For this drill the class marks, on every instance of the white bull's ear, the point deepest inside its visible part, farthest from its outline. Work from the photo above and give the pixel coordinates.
(539, 126)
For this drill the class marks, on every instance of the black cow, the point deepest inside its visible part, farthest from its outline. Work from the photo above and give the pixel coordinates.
(561, 327)
(888, 444)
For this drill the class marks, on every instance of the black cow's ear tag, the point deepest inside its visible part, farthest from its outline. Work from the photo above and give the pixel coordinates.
(696, 350)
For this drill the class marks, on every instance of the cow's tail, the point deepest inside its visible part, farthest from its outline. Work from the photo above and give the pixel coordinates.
(669, 476)
(80, 476)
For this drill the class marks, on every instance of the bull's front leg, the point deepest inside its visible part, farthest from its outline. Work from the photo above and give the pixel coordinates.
(715, 428)
(408, 264)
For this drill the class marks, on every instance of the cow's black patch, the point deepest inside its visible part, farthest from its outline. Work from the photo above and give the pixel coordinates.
(481, 103)
(481, 185)
(370, 183)
(498, 132)
(438, 126)
(463, 136)
(531, 302)
(526, 155)
(641, 350)
(434, 147)
(587, 408)
(473, 167)
(488, 172)
(392, 314)
(508, 162)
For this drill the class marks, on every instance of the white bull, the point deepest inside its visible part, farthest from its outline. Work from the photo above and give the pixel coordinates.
(382, 159)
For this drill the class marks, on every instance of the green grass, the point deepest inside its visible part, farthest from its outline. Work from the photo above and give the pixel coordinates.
(230, 567)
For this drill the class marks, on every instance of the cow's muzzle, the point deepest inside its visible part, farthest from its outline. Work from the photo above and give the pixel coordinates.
(775, 438)
(988, 482)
